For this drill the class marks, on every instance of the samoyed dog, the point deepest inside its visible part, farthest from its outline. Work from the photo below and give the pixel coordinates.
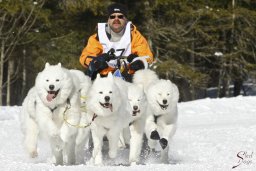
(137, 110)
(82, 139)
(162, 96)
(53, 108)
(106, 109)
(28, 122)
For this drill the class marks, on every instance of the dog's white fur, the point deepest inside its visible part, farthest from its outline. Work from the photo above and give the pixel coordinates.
(45, 112)
(82, 138)
(107, 100)
(137, 110)
(162, 97)
(29, 125)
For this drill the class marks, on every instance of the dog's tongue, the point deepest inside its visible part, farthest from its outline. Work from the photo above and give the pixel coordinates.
(49, 97)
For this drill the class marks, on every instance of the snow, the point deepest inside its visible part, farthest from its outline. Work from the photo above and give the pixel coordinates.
(212, 134)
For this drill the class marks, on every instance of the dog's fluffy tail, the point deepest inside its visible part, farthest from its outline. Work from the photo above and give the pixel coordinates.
(145, 77)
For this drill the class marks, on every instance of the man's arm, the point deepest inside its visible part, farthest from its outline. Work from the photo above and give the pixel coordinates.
(140, 46)
(93, 48)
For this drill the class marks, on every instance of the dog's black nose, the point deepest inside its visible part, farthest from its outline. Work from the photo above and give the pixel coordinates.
(135, 107)
(107, 98)
(164, 101)
(51, 87)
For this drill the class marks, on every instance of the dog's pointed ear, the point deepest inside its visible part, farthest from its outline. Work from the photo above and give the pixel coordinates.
(59, 64)
(46, 65)
(110, 75)
(98, 76)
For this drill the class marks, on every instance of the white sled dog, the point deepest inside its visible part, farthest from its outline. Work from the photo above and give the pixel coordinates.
(137, 109)
(28, 122)
(52, 106)
(106, 108)
(82, 139)
(162, 96)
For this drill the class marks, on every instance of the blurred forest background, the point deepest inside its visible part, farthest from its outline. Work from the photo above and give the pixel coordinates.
(201, 45)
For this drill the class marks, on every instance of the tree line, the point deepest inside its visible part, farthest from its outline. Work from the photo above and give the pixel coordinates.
(196, 43)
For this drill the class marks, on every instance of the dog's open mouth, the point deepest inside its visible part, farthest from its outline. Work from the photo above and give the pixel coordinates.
(134, 113)
(51, 95)
(163, 106)
(107, 105)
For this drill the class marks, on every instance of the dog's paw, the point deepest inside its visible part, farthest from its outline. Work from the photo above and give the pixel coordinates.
(154, 135)
(163, 142)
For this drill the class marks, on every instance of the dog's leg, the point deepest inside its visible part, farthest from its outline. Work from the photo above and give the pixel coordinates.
(97, 136)
(113, 137)
(56, 150)
(67, 134)
(150, 128)
(164, 155)
(69, 151)
(83, 133)
(137, 129)
(82, 141)
(167, 132)
(31, 137)
(45, 121)
(121, 142)
(67, 130)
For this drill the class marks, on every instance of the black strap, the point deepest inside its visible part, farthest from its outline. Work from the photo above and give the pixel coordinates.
(131, 123)
(52, 110)
(156, 117)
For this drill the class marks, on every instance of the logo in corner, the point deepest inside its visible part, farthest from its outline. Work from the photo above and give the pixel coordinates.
(244, 157)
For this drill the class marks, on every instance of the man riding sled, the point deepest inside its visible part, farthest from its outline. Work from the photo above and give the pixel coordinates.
(117, 47)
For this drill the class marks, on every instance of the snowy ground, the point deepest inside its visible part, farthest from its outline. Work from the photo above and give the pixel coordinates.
(213, 134)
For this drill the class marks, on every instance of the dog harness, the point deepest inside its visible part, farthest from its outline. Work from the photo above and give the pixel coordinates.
(156, 117)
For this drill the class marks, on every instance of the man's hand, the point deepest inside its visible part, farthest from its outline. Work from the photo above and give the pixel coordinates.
(131, 57)
(104, 57)
(137, 65)
(100, 65)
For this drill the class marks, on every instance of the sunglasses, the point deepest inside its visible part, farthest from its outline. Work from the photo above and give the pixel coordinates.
(118, 16)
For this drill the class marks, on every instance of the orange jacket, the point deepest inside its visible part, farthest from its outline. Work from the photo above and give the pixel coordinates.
(139, 46)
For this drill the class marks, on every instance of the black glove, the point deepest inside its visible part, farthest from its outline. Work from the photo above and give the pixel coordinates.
(95, 67)
(131, 57)
(100, 65)
(127, 77)
(104, 57)
(136, 65)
